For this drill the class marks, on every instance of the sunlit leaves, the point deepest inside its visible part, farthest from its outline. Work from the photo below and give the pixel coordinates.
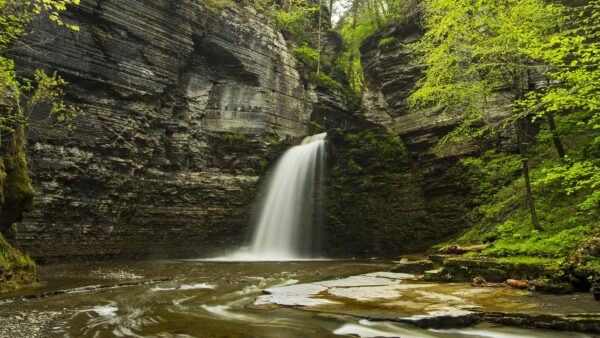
(19, 96)
(472, 48)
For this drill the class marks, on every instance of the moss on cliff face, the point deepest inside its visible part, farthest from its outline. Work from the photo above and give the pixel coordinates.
(16, 196)
(383, 202)
(16, 269)
(369, 179)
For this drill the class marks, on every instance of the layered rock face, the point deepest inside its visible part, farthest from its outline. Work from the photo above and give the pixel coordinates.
(181, 102)
(436, 199)
(392, 72)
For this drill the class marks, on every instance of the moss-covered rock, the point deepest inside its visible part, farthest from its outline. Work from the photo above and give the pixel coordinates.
(461, 269)
(16, 269)
(16, 196)
(16, 192)
(381, 203)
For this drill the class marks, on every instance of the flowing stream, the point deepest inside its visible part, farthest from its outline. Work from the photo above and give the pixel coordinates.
(221, 299)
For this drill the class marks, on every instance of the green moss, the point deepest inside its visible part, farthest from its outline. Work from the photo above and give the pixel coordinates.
(274, 149)
(369, 177)
(386, 41)
(315, 128)
(15, 268)
(18, 191)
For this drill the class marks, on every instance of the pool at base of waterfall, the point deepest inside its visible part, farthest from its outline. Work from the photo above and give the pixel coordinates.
(191, 298)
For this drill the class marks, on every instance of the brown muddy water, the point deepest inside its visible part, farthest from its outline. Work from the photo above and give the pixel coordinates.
(190, 298)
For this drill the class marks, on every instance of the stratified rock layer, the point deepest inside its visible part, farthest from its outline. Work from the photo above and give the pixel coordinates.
(180, 104)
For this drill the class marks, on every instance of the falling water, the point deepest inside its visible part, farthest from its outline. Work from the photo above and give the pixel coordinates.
(285, 225)
(289, 208)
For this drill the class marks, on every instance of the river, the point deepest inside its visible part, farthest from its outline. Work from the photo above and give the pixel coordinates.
(195, 298)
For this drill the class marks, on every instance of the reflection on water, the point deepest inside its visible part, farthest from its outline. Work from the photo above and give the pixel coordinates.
(213, 299)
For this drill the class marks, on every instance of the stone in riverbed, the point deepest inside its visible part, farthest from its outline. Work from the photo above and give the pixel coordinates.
(418, 267)
(375, 293)
(294, 295)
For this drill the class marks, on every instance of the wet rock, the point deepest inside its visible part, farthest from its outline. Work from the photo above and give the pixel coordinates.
(459, 318)
(589, 250)
(458, 250)
(294, 295)
(439, 259)
(574, 322)
(493, 270)
(479, 281)
(416, 267)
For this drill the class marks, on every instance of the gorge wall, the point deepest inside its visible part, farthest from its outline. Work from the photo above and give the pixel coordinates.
(389, 199)
(181, 103)
(187, 104)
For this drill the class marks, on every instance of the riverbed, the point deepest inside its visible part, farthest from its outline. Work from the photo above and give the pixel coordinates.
(196, 298)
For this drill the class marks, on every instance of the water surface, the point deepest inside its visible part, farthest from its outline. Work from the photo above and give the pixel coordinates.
(212, 299)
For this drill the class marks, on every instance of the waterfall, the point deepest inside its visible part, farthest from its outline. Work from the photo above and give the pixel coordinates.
(289, 210)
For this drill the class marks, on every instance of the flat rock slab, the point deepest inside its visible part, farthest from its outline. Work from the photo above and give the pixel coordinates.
(398, 297)
(294, 295)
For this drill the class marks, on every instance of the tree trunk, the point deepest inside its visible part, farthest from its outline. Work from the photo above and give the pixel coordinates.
(355, 5)
(522, 139)
(557, 143)
(319, 43)
(376, 10)
(331, 13)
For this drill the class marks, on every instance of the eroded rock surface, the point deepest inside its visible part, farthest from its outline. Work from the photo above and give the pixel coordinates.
(181, 103)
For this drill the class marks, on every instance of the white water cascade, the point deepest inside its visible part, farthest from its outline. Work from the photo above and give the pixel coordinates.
(288, 209)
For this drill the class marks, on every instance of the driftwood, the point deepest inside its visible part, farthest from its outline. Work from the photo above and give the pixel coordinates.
(457, 249)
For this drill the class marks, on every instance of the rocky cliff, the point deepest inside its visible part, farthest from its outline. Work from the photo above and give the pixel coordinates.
(431, 199)
(181, 101)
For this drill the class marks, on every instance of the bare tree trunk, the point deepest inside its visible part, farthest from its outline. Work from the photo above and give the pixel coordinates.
(331, 13)
(319, 42)
(555, 139)
(355, 5)
(522, 137)
(376, 10)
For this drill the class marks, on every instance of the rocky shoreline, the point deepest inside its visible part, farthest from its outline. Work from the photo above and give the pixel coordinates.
(32, 324)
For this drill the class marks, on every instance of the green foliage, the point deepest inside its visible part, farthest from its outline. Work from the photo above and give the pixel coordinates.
(573, 55)
(500, 218)
(472, 48)
(296, 20)
(20, 267)
(490, 173)
(306, 58)
(361, 20)
(20, 96)
(326, 81)
(315, 128)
